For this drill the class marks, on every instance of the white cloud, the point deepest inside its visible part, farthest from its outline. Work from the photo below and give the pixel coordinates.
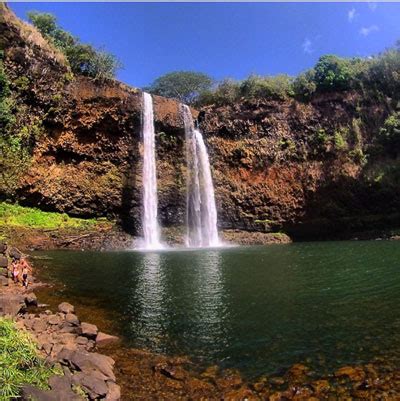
(307, 46)
(372, 6)
(365, 31)
(351, 14)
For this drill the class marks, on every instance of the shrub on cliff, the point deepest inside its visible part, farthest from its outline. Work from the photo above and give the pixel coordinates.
(5, 109)
(253, 87)
(389, 134)
(276, 87)
(84, 59)
(227, 91)
(383, 74)
(304, 86)
(184, 86)
(333, 73)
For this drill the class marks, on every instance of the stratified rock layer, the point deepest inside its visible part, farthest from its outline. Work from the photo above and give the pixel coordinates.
(277, 164)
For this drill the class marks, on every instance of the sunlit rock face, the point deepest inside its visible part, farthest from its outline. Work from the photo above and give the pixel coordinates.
(274, 163)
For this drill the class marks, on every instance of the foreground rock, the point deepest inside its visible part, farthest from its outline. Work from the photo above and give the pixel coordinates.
(64, 340)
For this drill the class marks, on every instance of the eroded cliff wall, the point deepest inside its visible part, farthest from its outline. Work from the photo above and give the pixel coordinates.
(302, 167)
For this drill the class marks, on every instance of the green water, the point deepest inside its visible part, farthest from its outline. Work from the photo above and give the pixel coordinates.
(258, 309)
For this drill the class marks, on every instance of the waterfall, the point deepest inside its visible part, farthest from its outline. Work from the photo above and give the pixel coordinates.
(201, 210)
(151, 229)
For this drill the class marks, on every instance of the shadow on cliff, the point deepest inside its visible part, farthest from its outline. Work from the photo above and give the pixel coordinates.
(349, 208)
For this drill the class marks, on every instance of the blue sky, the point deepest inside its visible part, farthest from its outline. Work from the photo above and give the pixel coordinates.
(225, 39)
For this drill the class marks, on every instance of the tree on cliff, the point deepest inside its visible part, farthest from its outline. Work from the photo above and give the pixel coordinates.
(185, 86)
(84, 59)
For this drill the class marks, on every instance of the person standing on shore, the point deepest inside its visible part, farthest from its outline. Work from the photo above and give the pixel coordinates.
(15, 270)
(26, 268)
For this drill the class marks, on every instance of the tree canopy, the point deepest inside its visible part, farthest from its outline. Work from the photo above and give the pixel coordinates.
(83, 58)
(184, 86)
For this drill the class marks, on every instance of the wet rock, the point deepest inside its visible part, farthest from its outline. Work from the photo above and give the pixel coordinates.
(353, 373)
(170, 371)
(261, 384)
(3, 281)
(103, 339)
(230, 379)
(320, 386)
(211, 372)
(66, 307)
(89, 330)
(3, 261)
(31, 299)
(298, 369)
(277, 381)
(195, 385)
(243, 393)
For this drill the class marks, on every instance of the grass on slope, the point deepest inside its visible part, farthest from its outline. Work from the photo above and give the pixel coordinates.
(19, 216)
(20, 362)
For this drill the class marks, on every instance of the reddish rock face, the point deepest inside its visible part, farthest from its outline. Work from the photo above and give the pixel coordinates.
(276, 164)
(282, 164)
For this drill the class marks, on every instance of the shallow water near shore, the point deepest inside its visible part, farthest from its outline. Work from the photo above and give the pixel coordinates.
(257, 309)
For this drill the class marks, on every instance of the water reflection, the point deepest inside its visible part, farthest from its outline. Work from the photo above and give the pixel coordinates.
(257, 309)
(210, 313)
(189, 301)
(149, 301)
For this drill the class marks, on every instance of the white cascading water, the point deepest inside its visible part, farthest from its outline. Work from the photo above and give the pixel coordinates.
(151, 229)
(201, 210)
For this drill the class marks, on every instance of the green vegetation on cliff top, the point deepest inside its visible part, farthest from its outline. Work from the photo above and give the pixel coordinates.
(20, 363)
(83, 59)
(377, 76)
(19, 216)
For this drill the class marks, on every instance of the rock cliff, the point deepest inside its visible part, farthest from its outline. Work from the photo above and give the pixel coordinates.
(286, 165)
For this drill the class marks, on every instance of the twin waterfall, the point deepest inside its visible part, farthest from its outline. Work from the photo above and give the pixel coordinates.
(201, 210)
(151, 229)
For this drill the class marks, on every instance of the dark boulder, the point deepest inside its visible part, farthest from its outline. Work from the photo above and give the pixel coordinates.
(3, 247)
(3, 261)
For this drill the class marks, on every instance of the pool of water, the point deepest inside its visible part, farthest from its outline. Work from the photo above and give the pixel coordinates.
(257, 309)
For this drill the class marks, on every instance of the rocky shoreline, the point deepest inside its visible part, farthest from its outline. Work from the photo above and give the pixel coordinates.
(64, 341)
